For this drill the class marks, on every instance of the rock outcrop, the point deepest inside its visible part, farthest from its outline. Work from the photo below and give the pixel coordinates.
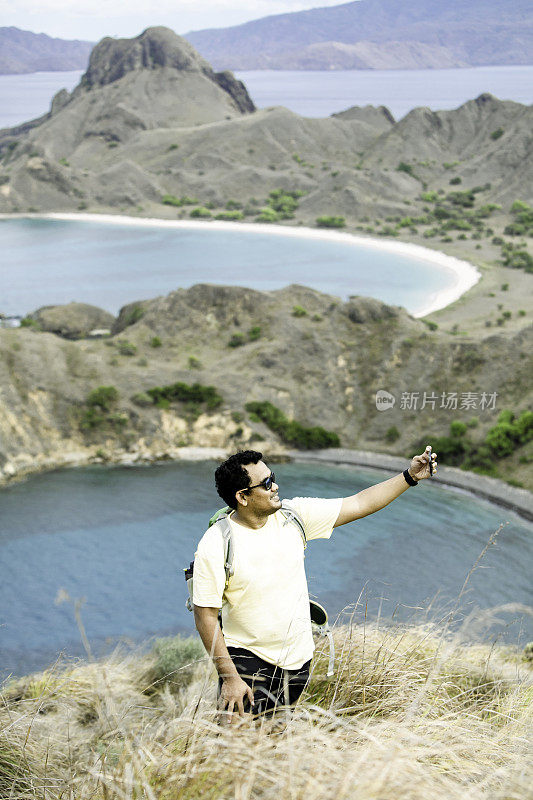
(73, 320)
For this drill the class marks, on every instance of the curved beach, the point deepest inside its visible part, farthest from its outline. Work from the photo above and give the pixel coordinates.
(464, 275)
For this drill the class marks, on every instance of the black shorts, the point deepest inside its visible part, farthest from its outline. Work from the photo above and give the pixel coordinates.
(272, 686)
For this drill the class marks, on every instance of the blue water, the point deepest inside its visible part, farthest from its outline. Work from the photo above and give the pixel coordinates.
(47, 262)
(319, 94)
(118, 538)
(312, 94)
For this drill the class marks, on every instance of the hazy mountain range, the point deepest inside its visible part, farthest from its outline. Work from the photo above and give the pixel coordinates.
(367, 34)
(23, 51)
(377, 34)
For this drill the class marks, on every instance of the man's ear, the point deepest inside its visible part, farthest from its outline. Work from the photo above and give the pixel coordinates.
(241, 498)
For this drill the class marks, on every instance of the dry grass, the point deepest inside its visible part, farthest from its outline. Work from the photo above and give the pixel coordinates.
(410, 714)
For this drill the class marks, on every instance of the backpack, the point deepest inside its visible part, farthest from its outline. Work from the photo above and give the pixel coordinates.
(318, 613)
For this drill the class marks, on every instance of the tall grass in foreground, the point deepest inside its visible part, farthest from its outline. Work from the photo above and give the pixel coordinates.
(410, 713)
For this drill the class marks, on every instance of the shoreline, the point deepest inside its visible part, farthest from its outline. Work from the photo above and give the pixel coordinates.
(494, 490)
(465, 274)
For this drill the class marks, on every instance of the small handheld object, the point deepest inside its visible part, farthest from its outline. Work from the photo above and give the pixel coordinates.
(428, 453)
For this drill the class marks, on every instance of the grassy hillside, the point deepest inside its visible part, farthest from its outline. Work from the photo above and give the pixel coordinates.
(144, 391)
(410, 712)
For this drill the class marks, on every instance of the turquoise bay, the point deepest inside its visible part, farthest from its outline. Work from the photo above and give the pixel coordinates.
(119, 537)
(49, 262)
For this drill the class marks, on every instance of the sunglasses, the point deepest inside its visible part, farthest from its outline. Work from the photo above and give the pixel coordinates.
(265, 484)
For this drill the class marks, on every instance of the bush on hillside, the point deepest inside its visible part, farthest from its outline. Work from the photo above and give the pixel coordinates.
(330, 222)
(290, 431)
(182, 392)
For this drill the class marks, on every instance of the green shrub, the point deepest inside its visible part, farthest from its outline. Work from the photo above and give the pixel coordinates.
(176, 658)
(29, 322)
(126, 348)
(142, 399)
(155, 341)
(464, 199)
(284, 202)
(182, 392)
(254, 333)
(267, 214)
(201, 212)
(455, 181)
(133, 315)
(515, 229)
(237, 340)
(429, 197)
(194, 363)
(173, 146)
(290, 431)
(103, 397)
(230, 215)
(331, 222)
(497, 133)
(233, 205)
(392, 434)
(509, 433)
(404, 167)
(64, 162)
(458, 429)
(170, 200)
(91, 419)
(299, 311)
(518, 259)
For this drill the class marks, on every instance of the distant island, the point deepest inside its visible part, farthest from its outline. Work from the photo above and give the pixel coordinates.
(377, 34)
(24, 51)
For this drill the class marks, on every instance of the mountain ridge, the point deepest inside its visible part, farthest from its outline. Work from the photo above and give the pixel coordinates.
(24, 51)
(456, 33)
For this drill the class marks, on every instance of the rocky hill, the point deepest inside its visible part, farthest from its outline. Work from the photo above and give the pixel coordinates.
(377, 34)
(142, 393)
(24, 51)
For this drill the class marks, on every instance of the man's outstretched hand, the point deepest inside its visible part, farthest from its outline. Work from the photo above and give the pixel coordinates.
(419, 468)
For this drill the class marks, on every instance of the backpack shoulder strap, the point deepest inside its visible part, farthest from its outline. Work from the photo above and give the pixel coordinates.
(222, 523)
(292, 516)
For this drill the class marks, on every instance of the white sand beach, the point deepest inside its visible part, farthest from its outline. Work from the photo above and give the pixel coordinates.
(463, 274)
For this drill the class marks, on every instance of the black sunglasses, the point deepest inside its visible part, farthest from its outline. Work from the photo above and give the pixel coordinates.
(265, 484)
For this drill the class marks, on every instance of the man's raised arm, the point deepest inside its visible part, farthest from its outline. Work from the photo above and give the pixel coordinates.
(381, 494)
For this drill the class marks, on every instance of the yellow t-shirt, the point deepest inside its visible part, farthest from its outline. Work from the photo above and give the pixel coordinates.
(265, 608)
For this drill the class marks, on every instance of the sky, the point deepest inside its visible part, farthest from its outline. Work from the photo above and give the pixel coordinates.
(92, 19)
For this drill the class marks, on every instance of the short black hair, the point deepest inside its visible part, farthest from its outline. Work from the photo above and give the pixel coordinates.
(230, 476)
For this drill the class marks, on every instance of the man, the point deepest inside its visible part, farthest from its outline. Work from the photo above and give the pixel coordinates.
(264, 650)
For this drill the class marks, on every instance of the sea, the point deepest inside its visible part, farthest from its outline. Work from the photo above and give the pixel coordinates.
(313, 93)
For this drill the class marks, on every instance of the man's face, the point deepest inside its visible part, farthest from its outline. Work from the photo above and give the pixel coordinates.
(259, 499)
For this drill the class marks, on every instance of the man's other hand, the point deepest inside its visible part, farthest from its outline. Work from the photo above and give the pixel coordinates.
(419, 468)
(232, 695)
